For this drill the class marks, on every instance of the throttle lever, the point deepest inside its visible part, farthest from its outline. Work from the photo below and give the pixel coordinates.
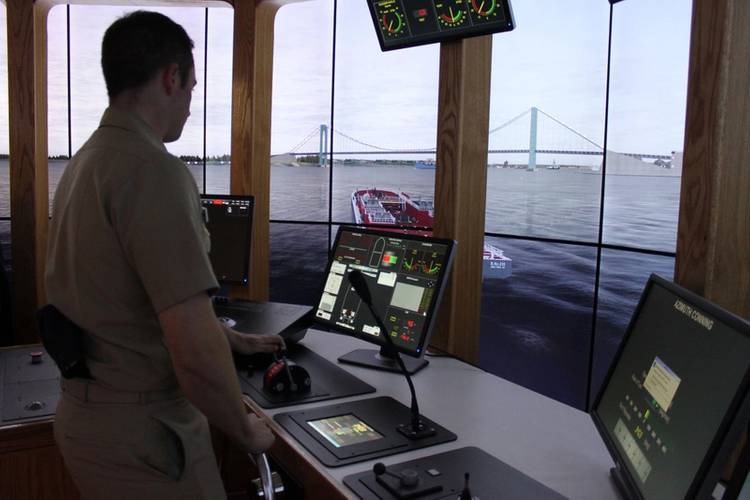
(266, 477)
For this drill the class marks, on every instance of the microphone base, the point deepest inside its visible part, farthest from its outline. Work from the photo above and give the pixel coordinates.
(371, 358)
(422, 432)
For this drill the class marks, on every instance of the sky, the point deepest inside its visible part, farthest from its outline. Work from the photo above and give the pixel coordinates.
(555, 60)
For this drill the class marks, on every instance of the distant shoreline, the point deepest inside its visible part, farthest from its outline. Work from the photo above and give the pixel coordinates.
(617, 168)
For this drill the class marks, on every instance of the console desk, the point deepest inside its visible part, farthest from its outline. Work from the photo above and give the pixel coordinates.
(547, 440)
(553, 443)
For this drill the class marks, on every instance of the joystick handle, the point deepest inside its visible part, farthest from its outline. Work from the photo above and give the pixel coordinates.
(283, 376)
(407, 478)
(292, 385)
(379, 469)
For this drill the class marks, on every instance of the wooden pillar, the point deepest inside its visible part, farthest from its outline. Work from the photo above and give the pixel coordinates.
(460, 187)
(243, 144)
(713, 235)
(713, 239)
(27, 99)
(252, 79)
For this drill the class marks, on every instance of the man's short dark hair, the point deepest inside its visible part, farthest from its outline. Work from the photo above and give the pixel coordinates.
(138, 45)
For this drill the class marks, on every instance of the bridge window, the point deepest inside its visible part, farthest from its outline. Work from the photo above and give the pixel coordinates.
(648, 95)
(4, 144)
(550, 191)
(536, 322)
(300, 149)
(623, 276)
(301, 119)
(58, 130)
(299, 253)
(87, 88)
(385, 124)
(218, 81)
(547, 108)
(647, 100)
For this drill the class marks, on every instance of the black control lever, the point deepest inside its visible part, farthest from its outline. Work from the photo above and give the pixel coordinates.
(292, 385)
(417, 429)
(407, 478)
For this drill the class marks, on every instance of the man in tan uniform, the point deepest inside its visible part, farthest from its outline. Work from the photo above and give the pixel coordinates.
(128, 262)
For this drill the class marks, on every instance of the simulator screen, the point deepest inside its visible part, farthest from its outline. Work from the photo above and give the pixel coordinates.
(405, 23)
(404, 274)
(229, 222)
(677, 382)
(344, 430)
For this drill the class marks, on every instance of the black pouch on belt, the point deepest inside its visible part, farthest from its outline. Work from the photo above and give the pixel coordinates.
(63, 340)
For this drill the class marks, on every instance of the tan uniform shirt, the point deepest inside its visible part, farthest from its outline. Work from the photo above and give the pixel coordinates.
(126, 241)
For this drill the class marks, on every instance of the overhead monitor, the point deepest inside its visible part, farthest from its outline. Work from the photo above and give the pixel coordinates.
(674, 401)
(406, 275)
(406, 23)
(229, 222)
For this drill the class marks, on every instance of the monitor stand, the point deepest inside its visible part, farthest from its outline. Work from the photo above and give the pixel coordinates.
(621, 483)
(385, 359)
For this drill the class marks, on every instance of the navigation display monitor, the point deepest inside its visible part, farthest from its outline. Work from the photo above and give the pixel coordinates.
(674, 400)
(344, 430)
(406, 23)
(229, 222)
(405, 275)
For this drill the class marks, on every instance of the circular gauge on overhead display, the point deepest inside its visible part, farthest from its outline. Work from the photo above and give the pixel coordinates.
(486, 11)
(393, 22)
(451, 13)
(391, 19)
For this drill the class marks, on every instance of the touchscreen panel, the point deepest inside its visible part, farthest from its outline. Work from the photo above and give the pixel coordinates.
(344, 430)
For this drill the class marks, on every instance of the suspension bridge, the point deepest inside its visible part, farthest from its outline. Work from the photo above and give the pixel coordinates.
(531, 133)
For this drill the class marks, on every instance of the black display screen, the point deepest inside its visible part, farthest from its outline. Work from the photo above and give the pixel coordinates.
(405, 275)
(673, 392)
(229, 222)
(406, 23)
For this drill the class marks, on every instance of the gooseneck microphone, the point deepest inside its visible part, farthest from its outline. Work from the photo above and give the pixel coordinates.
(417, 429)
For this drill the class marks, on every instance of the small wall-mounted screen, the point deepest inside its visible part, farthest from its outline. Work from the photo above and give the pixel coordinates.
(344, 430)
(406, 23)
(229, 222)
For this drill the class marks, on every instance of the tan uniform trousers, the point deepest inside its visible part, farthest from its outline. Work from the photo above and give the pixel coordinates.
(135, 446)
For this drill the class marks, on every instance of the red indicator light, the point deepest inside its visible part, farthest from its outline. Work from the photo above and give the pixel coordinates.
(218, 202)
(421, 12)
(410, 323)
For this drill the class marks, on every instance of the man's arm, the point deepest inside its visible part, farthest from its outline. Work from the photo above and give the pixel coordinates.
(245, 343)
(203, 364)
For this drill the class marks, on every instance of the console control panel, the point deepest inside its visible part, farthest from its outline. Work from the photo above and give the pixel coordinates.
(29, 384)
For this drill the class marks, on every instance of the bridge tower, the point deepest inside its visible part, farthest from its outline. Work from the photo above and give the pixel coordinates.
(532, 141)
(323, 148)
